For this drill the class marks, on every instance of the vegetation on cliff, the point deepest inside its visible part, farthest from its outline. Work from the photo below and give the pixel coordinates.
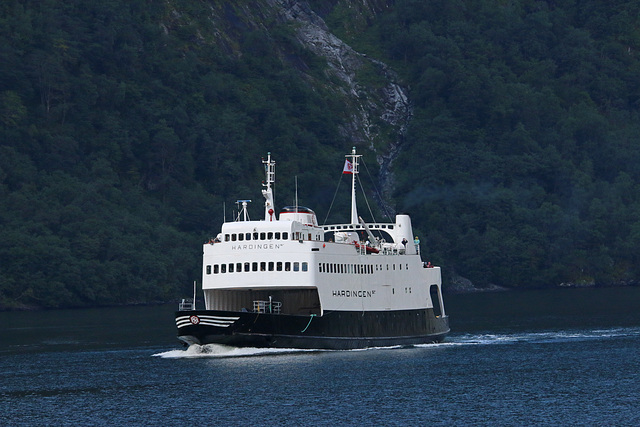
(125, 125)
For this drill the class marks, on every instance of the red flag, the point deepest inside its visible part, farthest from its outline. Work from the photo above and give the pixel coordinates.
(348, 167)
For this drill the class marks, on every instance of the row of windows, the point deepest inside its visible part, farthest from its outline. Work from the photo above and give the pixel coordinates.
(257, 266)
(271, 235)
(267, 235)
(325, 267)
(358, 227)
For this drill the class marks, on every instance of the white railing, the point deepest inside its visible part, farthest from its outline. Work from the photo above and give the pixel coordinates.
(186, 304)
(267, 307)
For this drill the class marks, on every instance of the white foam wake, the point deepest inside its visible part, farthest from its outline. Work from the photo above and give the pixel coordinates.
(219, 350)
(541, 336)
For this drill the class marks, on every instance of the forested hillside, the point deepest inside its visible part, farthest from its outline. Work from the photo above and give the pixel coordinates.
(125, 126)
(523, 158)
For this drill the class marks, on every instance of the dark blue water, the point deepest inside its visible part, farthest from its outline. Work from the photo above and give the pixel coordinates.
(568, 357)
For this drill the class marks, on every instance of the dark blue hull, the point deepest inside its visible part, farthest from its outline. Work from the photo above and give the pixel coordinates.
(338, 330)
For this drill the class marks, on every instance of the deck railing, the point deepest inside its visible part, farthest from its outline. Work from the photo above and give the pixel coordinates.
(186, 304)
(267, 307)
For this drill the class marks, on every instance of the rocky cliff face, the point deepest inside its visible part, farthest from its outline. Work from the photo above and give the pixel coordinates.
(377, 105)
(380, 113)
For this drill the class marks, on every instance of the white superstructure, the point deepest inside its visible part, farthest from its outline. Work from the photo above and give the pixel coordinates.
(290, 264)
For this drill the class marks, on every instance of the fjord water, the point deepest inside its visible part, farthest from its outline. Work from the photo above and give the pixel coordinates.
(565, 357)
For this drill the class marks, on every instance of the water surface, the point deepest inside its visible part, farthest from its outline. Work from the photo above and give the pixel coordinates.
(566, 357)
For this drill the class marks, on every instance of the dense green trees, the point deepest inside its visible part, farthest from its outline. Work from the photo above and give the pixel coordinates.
(123, 128)
(125, 125)
(527, 126)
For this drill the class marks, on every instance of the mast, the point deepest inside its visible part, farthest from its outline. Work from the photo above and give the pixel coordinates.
(354, 162)
(267, 192)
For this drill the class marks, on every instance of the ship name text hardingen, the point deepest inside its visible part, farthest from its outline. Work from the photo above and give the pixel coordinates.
(353, 294)
(257, 246)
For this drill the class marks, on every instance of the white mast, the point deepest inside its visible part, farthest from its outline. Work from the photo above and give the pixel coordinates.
(354, 162)
(270, 171)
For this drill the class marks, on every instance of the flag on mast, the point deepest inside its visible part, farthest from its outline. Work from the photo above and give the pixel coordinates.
(348, 167)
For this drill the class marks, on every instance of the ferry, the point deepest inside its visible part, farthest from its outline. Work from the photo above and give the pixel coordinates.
(287, 282)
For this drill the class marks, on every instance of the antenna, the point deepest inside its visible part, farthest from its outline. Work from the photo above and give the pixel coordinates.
(243, 212)
(267, 192)
(354, 172)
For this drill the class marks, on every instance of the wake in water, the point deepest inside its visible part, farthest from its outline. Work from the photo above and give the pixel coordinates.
(541, 337)
(220, 351)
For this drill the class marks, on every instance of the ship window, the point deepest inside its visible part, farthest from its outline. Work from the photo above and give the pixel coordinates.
(391, 227)
(263, 236)
(234, 237)
(223, 268)
(287, 266)
(270, 235)
(263, 266)
(226, 237)
(309, 236)
(247, 236)
(208, 269)
(271, 265)
(255, 236)
(305, 266)
(254, 266)
(400, 265)
(407, 267)
(387, 267)
(279, 266)
(247, 266)
(238, 267)
(216, 269)
(230, 268)
(241, 236)
(285, 235)
(296, 266)
(276, 235)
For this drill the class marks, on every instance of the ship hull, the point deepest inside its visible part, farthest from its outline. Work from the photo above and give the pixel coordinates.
(338, 330)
